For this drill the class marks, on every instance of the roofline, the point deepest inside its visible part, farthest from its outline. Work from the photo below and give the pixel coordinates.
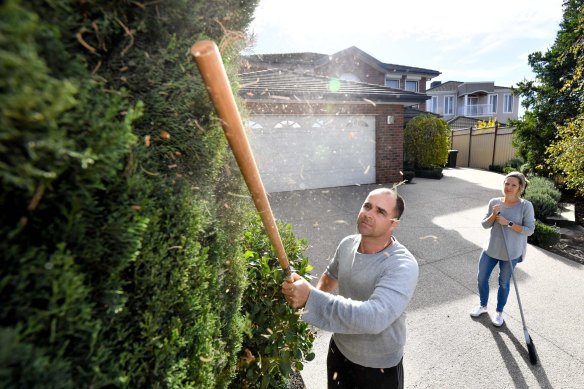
(324, 101)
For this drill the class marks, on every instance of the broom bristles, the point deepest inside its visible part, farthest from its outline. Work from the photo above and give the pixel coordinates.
(532, 352)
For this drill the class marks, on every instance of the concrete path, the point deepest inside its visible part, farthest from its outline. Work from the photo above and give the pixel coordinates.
(446, 348)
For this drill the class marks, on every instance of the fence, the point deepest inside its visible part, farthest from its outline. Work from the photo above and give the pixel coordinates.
(480, 148)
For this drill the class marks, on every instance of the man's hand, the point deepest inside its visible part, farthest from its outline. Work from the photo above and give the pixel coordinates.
(297, 291)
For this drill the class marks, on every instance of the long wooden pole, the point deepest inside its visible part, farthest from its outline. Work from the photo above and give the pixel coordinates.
(210, 65)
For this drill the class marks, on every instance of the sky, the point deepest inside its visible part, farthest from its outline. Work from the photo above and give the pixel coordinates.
(464, 40)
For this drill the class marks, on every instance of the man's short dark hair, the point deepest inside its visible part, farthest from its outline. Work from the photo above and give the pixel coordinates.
(399, 201)
(400, 206)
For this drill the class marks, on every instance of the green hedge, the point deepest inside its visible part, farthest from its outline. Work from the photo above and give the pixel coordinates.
(426, 142)
(121, 257)
(279, 341)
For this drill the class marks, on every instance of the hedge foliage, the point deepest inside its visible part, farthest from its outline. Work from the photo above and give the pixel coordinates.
(278, 341)
(426, 142)
(120, 219)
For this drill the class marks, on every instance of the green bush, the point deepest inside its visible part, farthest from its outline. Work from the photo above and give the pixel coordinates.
(544, 185)
(121, 257)
(544, 205)
(496, 168)
(279, 341)
(544, 235)
(426, 141)
(543, 195)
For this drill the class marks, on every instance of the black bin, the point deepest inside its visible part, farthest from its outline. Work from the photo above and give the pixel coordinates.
(452, 154)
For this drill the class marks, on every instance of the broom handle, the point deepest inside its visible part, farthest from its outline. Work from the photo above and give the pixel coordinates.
(211, 67)
(515, 286)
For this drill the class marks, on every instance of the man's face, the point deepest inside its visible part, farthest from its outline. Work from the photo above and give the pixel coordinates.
(376, 218)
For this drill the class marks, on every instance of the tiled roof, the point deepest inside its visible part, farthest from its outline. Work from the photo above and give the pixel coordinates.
(280, 85)
(286, 58)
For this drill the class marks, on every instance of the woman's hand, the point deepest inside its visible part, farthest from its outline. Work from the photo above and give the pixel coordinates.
(501, 220)
(496, 209)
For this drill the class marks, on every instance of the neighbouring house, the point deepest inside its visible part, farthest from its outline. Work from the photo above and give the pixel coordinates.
(318, 121)
(466, 102)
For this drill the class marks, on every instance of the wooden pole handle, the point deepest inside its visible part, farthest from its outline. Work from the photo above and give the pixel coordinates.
(210, 65)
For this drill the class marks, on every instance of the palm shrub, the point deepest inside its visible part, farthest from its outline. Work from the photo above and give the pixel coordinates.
(426, 142)
(278, 340)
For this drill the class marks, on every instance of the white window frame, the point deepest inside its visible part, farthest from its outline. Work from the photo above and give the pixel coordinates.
(493, 104)
(389, 79)
(434, 104)
(508, 103)
(415, 82)
(451, 105)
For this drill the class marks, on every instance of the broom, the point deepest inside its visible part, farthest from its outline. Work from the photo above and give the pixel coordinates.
(211, 67)
(530, 346)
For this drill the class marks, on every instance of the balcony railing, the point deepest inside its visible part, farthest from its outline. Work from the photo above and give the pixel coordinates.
(476, 110)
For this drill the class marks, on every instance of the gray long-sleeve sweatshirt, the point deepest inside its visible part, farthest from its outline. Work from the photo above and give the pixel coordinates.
(522, 214)
(368, 315)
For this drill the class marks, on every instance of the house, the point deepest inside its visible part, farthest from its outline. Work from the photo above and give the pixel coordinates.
(318, 121)
(352, 64)
(309, 131)
(472, 100)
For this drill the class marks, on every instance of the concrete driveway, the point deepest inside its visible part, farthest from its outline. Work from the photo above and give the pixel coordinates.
(446, 348)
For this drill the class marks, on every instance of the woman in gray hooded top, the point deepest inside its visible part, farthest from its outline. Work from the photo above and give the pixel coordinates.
(511, 220)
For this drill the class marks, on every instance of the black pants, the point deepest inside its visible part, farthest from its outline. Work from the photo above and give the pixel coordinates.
(342, 373)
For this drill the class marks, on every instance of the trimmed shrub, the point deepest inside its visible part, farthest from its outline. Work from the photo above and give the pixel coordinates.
(426, 141)
(544, 185)
(544, 205)
(544, 235)
(278, 340)
(544, 196)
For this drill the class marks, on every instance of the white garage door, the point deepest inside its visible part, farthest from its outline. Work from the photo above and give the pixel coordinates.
(308, 152)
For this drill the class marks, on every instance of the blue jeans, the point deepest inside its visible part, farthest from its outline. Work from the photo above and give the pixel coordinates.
(486, 266)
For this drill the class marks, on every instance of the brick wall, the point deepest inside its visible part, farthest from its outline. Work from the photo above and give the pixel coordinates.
(389, 138)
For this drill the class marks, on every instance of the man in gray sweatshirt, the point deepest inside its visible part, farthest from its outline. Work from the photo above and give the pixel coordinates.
(376, 278)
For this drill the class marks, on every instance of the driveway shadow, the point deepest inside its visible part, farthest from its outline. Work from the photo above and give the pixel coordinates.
(511, 364)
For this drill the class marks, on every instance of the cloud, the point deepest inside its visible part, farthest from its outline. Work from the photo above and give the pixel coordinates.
(463, 40)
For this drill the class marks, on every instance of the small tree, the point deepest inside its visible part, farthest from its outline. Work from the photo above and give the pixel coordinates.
(426, 141)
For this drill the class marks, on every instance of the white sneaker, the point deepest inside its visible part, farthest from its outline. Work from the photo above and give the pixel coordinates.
(478, 311)
(498, 320)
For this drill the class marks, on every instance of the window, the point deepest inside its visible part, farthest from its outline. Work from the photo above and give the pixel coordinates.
(287, 124)
(253, 125)
(412, 86)
(508, 104)
(448, 105)
(392, 82)
(473, 106)
(493, 103)
(434, 104)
